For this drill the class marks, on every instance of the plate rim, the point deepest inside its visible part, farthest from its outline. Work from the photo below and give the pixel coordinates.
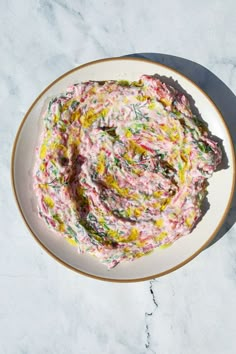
(129, 280)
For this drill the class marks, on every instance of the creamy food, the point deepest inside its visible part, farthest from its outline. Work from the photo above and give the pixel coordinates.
(122, 167)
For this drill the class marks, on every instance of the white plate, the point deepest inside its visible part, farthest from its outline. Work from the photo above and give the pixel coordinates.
(160, 262)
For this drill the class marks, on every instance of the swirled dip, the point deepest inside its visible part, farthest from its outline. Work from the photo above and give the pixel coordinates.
(122, 167)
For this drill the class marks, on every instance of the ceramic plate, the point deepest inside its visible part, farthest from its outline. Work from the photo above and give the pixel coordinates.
(160, 262)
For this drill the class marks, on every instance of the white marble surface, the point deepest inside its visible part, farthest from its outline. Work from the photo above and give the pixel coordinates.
(46, 308)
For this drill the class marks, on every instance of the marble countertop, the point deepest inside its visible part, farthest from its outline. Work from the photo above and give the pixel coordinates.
(46, 308)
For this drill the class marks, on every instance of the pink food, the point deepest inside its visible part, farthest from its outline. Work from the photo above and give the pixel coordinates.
(122, 167)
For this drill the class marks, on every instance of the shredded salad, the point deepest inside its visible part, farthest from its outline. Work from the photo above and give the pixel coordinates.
(122, 167)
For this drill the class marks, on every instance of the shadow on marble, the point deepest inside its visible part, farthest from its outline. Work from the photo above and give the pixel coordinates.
(223, 97)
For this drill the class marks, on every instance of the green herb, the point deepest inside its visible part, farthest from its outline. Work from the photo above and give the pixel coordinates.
(162, 156)
(137, 128)
(117, 161)
(105, 226)
(138, 114)
(198, 122)
(179, 166)
(137, 83)
(50, 104)
(111, 131)
(177, 113)
(75, 104)
(62, 126)
(204, 147)
(123, 83)
(94, 175)
(91, 217)
(71, 231)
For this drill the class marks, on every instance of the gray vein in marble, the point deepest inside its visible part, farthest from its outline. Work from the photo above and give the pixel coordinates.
(148, 316)
(152, 293)
(86, 28)
(69, 9)
(147, 344)
(10, 85)
(33, 276)
(46, 9)
(228, 62)
(127, 38)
